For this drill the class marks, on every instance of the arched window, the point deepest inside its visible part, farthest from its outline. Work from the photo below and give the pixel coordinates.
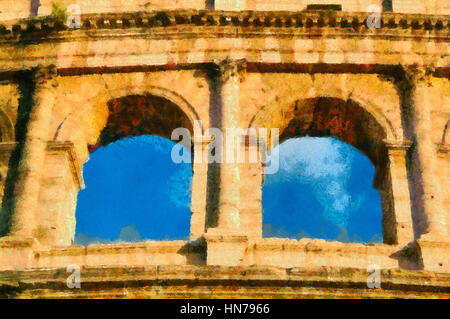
(134, 190)
(333, 177)
(323, 189)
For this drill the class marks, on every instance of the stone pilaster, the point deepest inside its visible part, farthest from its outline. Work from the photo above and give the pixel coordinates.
(433, 243)
(227, 83)
(26, 191)
(426, 152)
(199, 189)
(60, 182)
(227, 236)
(402, 231)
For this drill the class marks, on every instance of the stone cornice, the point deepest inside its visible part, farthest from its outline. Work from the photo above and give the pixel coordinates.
(189, 281)
(412, 24)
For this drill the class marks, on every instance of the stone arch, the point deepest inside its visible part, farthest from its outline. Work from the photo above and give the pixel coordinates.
(168, 94)
(267, 118)
(380, 131)
(177, 101)
(392, 133)
(82, 125)
(377, 135)
(380, 117)
(140, 114)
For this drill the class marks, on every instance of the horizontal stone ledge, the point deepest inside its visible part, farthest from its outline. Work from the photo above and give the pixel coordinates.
(220, 276)
(120, 248)
(276, 19)
(9, 242)
(390, 70)
(320, 245)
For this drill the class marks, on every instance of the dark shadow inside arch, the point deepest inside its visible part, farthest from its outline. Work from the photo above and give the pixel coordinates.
(332, 181)
(134, 189)
(344, 120)
(137, 115)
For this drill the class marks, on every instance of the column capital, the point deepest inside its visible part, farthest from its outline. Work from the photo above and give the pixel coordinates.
(418, 73)
(45, 74)
(224, 70)
(397, 145)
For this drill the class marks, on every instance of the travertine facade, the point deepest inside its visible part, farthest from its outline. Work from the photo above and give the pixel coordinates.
(244, 64)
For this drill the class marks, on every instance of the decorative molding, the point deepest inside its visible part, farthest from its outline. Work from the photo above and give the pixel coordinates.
(443, 148)
(397, 145)
(7, 147)
(415, 73)
(405, 145)
(226, 69)
(75, 167)
(351, 21)
(320, 245)
(44, 73)
(189, 281)
(146, 247)
(16, 243)
(215, 236)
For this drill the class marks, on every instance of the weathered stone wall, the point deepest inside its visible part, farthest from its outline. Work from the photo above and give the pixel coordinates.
(228, 69)
(192, 282)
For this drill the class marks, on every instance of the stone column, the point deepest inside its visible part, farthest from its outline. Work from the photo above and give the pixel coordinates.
(229, 195)
(227, 82)
(433, 243)
(226, 242)
(26, 191)
(426, 152)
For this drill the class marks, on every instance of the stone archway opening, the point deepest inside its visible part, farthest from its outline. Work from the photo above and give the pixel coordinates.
(134, 190)
(340, 132)
(322, 189)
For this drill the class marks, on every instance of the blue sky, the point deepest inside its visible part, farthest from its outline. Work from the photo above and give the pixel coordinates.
(323, 189)
(134, 192)
(134, 189)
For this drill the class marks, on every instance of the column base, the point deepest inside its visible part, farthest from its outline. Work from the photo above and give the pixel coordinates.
(435, 255)
(225, 249)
